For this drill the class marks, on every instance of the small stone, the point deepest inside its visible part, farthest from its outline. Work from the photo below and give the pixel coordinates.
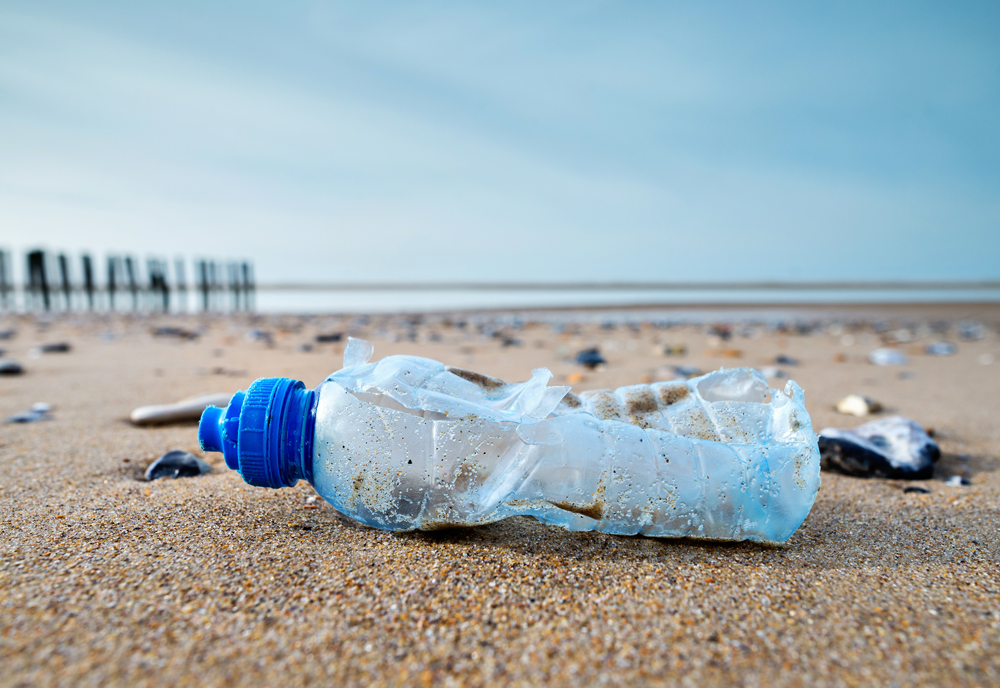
(915, 489)
(38, 411)
(893, 447)
(255, 335)
(675, 350)
(8, 334)
(329, 337)
(305, 347)
(10, 367)
(686, 371)
(177, 464)
(887, 357)
(941, 349)
(782, 359)
(840, 358)
(176, 332)
(180, 412)
(590, 358)
(857, 405)
(957, 481)
(724, 353)
(970, 330)
(53, 348)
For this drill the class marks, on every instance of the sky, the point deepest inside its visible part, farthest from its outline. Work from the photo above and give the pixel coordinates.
(581, 140)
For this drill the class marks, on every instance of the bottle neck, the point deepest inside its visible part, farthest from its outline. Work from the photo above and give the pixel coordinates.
(292, 440)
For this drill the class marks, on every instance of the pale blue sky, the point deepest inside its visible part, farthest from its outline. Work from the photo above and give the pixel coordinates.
(572, 140)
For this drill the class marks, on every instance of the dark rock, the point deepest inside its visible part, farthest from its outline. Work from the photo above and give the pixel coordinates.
(893, 447)
(590, 358)
(176, 332)
(7, 334)
(957, 481)
(9, 367)
(510, 341)
(305, 347)
(54, 348)
(329, 338)
(918, 490)
(782, 359)
(723, 331)
(177, 464)
(39, 411)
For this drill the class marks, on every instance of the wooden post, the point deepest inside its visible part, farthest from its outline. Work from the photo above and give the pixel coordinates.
(67, 286)
(88, 281)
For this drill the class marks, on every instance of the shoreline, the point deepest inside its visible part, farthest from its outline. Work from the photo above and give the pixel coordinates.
(840, 310)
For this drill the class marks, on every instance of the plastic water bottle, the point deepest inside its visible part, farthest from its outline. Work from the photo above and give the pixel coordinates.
(408, 443)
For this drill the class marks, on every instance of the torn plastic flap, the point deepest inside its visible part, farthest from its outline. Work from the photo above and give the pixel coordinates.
(358, 352)
(424, 385)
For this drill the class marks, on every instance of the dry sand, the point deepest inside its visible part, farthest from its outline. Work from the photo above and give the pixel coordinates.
(108, 580)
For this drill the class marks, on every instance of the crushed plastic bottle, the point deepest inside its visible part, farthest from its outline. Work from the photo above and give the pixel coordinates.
(408, 443)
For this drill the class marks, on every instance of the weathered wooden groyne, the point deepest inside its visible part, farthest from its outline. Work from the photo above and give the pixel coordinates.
(61, 282)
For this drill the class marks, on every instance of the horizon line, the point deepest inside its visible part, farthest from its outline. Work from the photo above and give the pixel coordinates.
(766, 285)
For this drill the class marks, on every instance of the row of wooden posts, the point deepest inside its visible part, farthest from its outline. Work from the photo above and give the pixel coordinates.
(50, 284)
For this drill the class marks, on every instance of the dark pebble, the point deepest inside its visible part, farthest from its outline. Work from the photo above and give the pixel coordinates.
(177, 464)
(8, 367)
(917, 490)
(782, 359)
(54, 348)
(723, 331)
(893, 447)
(686, 371)
(590, 358)
(39, 411)
(329, 338)
(177, 332)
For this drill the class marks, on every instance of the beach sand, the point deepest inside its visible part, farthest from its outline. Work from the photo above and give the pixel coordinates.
(108, 580)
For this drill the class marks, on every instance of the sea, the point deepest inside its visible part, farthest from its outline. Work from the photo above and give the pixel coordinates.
(356, 300)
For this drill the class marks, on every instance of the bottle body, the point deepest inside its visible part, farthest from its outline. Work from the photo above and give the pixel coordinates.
(407, 443)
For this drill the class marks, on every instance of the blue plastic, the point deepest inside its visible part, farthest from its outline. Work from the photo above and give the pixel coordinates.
(265, 433)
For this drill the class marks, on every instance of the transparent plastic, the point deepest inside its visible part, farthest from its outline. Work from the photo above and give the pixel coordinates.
(408, 443)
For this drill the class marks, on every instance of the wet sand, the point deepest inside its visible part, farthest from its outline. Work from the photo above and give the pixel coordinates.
(108, 580)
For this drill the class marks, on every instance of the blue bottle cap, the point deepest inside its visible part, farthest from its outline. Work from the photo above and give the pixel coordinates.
(266, 433)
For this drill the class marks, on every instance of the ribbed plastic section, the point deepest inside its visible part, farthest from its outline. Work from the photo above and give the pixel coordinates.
(255, 466)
